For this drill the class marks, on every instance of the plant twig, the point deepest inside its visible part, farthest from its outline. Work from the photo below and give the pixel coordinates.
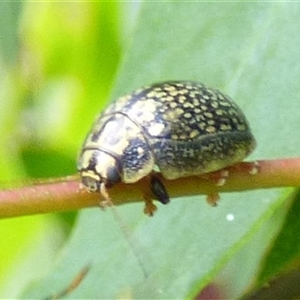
(63, 194)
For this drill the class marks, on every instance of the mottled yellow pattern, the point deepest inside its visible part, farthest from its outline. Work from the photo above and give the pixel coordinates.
(183, 128)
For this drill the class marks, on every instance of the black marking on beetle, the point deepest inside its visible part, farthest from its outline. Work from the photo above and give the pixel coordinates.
(158, 189)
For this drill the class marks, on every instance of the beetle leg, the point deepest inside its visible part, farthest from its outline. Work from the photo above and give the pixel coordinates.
(107, 200)
(150, 207)
(251, 168)
(213, 198)
(218, 177)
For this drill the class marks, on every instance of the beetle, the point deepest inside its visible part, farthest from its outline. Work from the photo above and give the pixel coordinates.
(183, 128)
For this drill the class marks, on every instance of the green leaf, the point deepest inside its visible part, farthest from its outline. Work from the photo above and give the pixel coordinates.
(249, 51)
(22, 239)
(58, 62)
(286, 248)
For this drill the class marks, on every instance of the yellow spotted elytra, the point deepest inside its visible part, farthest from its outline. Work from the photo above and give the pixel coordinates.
(182, 127)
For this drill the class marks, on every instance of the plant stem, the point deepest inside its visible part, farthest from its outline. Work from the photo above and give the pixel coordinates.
(63, 194)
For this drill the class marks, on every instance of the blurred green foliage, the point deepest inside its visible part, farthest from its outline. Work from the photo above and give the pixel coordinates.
(57, 67)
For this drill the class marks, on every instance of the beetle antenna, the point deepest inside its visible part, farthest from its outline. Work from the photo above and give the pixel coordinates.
(124, 228)
(132, 242)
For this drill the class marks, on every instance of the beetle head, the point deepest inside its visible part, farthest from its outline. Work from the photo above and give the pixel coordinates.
(98, 167)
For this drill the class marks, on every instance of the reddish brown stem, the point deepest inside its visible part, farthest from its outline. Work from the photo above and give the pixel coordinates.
(64, 194)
